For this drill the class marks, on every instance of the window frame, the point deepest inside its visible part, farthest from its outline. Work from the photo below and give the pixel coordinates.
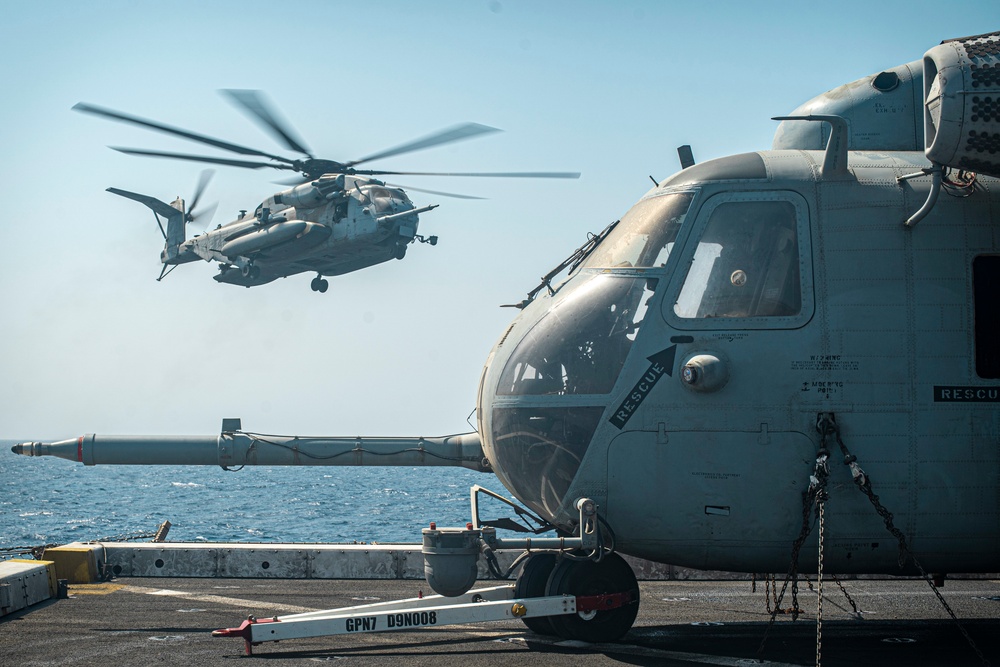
(985, 316)
(685, 258)
(588, 263)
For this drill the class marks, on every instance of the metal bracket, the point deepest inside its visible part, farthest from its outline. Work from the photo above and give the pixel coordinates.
(935, 171)
(588, 539)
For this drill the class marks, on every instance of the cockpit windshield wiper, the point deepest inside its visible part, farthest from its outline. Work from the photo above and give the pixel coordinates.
(573, 261)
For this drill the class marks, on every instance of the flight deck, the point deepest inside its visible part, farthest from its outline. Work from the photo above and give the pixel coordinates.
(134, 620)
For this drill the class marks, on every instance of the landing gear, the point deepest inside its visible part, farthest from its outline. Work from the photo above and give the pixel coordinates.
(319, 284)
(612, 577)
(531, 584)
(562, 590)
(249, 271)
(399, 252)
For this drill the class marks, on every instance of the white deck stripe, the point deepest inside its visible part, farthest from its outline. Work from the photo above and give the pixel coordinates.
(221, 599)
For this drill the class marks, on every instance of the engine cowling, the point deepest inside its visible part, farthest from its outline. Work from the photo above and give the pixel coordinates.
(962, 104)
(312, 194)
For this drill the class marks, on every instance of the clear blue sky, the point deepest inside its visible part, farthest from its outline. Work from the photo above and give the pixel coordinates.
(91, 343)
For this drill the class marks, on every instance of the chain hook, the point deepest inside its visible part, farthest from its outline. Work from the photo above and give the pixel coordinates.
(826, 424)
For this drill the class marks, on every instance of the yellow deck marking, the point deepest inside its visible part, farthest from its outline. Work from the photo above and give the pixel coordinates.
(94, 589)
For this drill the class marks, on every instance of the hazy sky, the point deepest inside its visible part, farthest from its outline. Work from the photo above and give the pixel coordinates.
(92, 343)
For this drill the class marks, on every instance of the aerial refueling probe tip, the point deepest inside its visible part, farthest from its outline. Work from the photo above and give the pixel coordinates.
(24, 448)
(65, 449)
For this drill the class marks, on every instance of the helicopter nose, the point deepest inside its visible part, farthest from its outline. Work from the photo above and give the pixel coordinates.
(546, 392)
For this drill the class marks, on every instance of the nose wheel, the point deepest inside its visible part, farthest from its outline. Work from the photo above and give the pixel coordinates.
(531, 584)
(319, 284)
(611, 576)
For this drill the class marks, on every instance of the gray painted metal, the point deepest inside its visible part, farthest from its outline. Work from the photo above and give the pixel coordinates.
(884, 331)
(273, 561)
(23, 584)
(237, 448)
(317, 561)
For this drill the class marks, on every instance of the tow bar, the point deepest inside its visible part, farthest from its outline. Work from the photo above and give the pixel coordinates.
(450, 567)
(486, 604)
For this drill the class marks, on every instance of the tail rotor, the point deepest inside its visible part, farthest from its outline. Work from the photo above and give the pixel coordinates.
(177, 216)
(192, 214)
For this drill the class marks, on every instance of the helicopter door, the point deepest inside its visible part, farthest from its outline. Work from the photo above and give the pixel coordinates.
(986, 287)
(732, 495)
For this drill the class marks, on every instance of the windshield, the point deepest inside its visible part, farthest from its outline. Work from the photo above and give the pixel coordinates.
(540, 450)
(579, 346)
(646, 234)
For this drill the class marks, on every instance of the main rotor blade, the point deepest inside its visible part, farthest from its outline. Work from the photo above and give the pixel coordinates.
(457, 133)
(434, 192)
(202, 158)
(481, 174)
(160, 127)
(254, 102)
(292, 181)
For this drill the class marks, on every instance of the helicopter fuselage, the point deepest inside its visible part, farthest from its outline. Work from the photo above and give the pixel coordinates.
(339, 220)
(331, 226)
(758, 319)
(678, 375)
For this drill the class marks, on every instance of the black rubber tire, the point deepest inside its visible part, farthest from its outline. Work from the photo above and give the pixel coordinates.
(611, 575)
(323, 286)
(531, 584)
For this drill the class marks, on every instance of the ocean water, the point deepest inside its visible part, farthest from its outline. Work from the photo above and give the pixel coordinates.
(47, 500)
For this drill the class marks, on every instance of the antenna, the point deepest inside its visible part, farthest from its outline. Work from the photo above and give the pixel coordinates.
(835, 158)
(686, 156)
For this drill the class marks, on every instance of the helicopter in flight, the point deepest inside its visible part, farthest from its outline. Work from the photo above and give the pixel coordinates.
(335, 219)
(684, 387)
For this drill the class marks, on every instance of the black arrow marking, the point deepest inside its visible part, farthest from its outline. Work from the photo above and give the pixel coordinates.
(659, 364)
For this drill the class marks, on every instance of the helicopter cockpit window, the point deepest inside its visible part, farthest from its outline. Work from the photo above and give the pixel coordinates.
(580, 345)
(645, 236)
(746, 263)
(542, 449)
(378, 192)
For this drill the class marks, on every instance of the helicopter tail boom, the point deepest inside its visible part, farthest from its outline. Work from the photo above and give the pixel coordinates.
(174, 213)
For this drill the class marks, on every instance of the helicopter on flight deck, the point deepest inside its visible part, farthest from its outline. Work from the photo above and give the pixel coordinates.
(335, 220)
(679, 395)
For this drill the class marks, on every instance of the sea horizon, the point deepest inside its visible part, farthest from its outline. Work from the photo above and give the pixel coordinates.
(48, 500)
